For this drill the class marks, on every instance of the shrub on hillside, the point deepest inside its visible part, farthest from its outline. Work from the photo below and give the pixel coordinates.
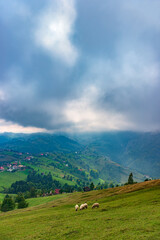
(8, 204)
(21, 201)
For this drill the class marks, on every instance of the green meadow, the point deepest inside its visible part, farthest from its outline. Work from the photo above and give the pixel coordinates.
(131, 212)
(44, 200)
(2, 195)
(7, 178)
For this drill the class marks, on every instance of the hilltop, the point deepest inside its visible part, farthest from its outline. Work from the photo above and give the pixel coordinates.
(129, 212)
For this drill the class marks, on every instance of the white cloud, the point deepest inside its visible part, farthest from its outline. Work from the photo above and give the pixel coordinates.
(8, 126)
(85, 116)
(55, 29)
(114, 94)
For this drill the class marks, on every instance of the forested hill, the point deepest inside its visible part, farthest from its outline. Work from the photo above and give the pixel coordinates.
(139, 151)
(36, 143)
(132, 150)
(63, 151)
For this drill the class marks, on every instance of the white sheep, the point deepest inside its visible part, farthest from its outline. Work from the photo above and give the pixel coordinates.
(95, 205)
(76, 207)
(82, 207)
(85, 205)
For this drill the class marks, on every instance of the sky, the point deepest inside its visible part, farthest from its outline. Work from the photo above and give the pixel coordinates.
(79, 65)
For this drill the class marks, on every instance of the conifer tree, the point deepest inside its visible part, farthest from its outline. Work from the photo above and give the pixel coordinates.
(21, 201)
(91, 186)
(130, 178)
(8, 204)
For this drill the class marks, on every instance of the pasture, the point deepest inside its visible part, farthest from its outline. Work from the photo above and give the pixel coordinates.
(130, 213)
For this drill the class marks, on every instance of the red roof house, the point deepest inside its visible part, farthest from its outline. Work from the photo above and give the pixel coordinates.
(56, 191)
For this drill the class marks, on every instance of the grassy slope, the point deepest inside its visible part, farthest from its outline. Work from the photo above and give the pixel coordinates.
(2, 195)
(7, 178)
(56, 164)
(130, 212)
(43, 200)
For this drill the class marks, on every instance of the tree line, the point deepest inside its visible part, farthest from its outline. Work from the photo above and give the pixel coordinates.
(9, 202)
(36, 184)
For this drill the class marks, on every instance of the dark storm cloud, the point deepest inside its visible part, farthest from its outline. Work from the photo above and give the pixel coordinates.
(54, 53)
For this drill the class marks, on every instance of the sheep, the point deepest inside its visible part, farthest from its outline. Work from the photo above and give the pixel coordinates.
(95, 205)
(85, 205)
(76, 207)
(82, 207)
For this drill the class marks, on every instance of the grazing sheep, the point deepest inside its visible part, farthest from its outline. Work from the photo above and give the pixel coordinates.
(82, 207)
(85, 205)
(76, 207)
(95, 205)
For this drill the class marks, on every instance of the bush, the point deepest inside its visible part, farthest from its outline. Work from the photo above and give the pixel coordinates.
(8, 204)
(21, 201)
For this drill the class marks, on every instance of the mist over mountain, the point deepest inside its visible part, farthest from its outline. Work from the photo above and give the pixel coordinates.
(139, 152)
(135, 150)
(40, 142)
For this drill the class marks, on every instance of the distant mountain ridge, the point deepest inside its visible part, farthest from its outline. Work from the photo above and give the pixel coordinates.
(139, 151)
(115, 153)
(35, 143)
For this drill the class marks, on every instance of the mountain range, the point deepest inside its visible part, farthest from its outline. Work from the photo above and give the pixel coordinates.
(112, 154)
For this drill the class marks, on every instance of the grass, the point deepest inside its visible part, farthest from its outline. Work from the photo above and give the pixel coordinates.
(7, 178)
(37, 201)
(126, 213)
(43, 200)
(2, 195)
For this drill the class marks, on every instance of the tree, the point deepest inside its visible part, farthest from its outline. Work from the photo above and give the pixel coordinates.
(33, 192)
(91, 186)
(111, 185)
(80, 189)
(130, 179)
(21, 201)
(94, 173)
(8, 204)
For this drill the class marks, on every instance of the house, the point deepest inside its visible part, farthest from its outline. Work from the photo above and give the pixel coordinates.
(1, 168)
(15, 167)
(15, 163)
(56, 191)
(21, 167)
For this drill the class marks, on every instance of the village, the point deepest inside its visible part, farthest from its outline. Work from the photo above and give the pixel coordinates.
(12, 167)
(16, 165)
